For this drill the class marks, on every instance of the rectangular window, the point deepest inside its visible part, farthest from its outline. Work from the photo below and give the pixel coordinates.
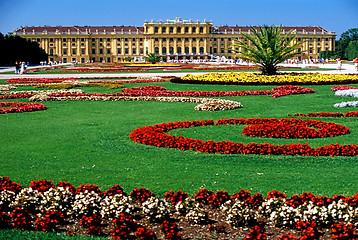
(215, 50)
(108, 51)
(82, 39)
(119, 50)
(101, 51)
(65, 51)
(93, 51)
(108, 39)
(171, 39)
(64, 60)
(164, 39)
(73, 50)
(51, 39)
(141, 51)
(118, 39)
(82, 51)
(73, 39)
(82, 60)
(134, 51)
(126, 39)
(156, 39)
(126, 51)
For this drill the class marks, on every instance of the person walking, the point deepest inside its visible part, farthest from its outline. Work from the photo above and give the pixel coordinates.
(17, 67)
(22, 68)
(356, 63)
(339, 64)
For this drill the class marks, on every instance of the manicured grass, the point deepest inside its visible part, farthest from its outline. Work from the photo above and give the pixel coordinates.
(87, 142)
(10, 234)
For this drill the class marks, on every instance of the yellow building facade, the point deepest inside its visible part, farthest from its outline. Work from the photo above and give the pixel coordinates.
(173, 39)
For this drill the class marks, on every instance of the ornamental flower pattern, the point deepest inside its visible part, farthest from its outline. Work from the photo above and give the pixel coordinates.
(156, 136)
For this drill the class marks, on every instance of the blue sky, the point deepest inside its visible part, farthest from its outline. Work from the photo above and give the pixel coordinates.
(335, 15)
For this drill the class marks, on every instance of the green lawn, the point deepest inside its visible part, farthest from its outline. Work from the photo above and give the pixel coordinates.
(87, 142)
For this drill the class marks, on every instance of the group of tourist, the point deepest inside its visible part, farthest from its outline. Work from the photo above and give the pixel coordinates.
(20, 67)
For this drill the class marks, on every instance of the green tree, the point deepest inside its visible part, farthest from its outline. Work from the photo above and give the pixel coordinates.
(343, 42)
(16, 48)
(267, 47)
(152, 58)
(351, 51)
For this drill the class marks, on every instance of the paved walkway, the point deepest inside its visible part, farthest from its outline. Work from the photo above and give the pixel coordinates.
(346, 69)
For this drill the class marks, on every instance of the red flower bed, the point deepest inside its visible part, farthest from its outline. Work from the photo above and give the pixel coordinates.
(59, 80)
(14, 96)
(161, 91)
(342, 88)
(156, 136)
(21, 107)
(295, 128)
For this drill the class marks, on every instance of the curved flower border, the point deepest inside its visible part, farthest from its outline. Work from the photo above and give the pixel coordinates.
(156, 136)
(207, 104)
(20, 107)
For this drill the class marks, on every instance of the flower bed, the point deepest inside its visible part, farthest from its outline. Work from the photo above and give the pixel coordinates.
(28, 94)
(161, 91)
(44, 206)
(60, 80)
(207, 104)
(347, 93)
(325, 114)
(346, 104)
(156, 136)
(343, 88)
(255, 78)
(20, 107)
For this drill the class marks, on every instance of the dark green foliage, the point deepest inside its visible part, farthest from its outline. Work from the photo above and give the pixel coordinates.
(16, 48)
(328, 54)
(344, 48)
(351, 51)
(152, 58)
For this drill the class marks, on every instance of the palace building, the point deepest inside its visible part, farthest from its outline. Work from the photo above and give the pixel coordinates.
(174, 39)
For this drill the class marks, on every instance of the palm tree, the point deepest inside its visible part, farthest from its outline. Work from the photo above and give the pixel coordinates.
(267, 47)
(152, 58)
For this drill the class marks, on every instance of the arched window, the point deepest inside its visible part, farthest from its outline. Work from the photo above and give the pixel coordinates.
(186, 29)
(187, 50)
(164, 29)
(156, 29)
(156, 50)
(171, 30)
(171, 50)
(164, 50)
(179, 50)
(201, 50)
(201, 29)
(194, 50)
(178, 29)
(193, 30)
